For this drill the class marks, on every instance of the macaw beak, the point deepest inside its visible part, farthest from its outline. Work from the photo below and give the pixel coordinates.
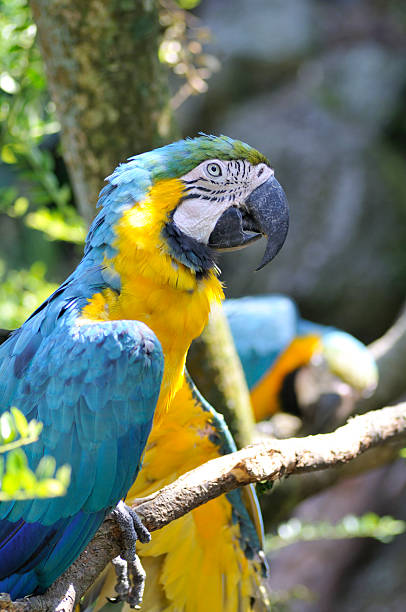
(264, 213)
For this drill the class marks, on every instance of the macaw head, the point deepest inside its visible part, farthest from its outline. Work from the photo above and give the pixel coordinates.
(198, 196)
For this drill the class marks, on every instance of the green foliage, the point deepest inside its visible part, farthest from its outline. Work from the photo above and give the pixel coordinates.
(24, 106)
(17, 480)
(15, 431)
(282, 601)
(21, 291)
(370, 525)
(182, 48)
(26, 113)
(188, 4)
(58, 225)
(30, 191)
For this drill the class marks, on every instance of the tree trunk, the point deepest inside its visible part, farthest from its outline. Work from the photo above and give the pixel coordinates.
(216, 369)
(109, 87)
(390, 354)
(112, 97)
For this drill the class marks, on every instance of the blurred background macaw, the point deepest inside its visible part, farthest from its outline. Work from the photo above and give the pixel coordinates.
(293, 365)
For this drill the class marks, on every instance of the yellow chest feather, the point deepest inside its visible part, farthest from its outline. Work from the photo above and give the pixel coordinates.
(163, 294)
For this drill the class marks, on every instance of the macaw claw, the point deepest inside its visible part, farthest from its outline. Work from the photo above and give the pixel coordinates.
(129, 571)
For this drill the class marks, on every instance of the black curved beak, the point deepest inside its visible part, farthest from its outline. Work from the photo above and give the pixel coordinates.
(265, 213)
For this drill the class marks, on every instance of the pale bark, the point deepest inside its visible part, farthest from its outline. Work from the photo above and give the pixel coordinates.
(390, 354)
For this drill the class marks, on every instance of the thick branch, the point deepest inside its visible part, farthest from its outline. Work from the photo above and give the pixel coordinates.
(270, 461)
(216, 369)
(390, 354)
(109, 87)
(282, 501)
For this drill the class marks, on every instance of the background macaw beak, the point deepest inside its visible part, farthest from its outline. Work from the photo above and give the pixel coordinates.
(265, 213)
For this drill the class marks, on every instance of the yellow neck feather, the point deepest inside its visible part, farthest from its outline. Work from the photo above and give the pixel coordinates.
(162, 293)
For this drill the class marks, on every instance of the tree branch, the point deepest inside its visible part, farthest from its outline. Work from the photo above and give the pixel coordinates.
(278, 506)
(213, 358)
(390, 354)
(270, 460)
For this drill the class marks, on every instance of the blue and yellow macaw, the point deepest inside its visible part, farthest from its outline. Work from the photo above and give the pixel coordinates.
(210, 558)
(106, 351)
(274, 342)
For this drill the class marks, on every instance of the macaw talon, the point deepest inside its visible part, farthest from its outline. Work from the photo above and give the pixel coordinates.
(122, 586)
(130, 525)
(130, 582)
(129, 571)
(137, 576)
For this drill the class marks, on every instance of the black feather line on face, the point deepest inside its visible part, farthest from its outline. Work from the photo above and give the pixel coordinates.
(195, 255)
(287, 395)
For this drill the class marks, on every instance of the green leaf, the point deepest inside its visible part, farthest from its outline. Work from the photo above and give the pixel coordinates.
(46, 468)
(16, 461)
(7, 155)
(9, 484)
(188, 4)
(27, 480)
(34, 429)
(21, 291)
(63, 474)
(20, 422)
(58, 225)
(7, 428)
(50, 487)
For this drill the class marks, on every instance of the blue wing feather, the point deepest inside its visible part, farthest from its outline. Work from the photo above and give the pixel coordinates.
(94, 386)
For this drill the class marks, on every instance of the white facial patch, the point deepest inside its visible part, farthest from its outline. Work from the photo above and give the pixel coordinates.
(211, 188)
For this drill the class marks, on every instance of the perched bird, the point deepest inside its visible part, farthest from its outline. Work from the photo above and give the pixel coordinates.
(275, 344)
(211, 558)
(106, 351)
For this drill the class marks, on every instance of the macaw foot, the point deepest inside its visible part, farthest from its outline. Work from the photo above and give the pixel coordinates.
(129, 571)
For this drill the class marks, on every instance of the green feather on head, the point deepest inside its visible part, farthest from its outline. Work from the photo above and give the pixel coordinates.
(178, 158)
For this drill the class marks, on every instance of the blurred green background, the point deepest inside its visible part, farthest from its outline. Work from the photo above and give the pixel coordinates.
(39, 227)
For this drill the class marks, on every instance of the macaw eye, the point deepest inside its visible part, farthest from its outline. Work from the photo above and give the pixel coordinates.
(214, 169)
